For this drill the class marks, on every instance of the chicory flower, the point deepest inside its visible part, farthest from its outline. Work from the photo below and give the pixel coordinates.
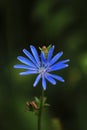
(42, 65)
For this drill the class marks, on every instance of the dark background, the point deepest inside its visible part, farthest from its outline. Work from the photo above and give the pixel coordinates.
(59, 22)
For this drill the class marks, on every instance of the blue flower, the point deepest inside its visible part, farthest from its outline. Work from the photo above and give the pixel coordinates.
(42, 65)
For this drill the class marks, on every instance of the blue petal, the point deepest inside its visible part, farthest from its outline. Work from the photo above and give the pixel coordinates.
(43, 58)
(57, 77)
(64, 61)
(28, 72)
(50, 53)
(57, 67)
(43, 82)
(37, 80)
(34, 52)
(56, 57)
(50, 79)
(27, 53)
(19, 66)
(25, 61)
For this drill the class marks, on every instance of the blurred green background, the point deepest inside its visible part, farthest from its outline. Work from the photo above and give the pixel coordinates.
(59, 22)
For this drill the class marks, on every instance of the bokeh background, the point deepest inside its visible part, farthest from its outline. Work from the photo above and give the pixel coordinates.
(59, 22)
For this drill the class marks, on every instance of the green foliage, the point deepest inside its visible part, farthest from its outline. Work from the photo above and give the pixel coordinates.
(62, 23)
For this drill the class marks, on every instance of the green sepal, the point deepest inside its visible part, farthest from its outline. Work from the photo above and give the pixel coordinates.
(37, 101)
(49, 47)
(46, 105)
(40, 48)
(34, 106)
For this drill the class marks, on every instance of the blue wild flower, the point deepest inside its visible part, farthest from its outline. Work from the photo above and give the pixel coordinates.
(42, 65)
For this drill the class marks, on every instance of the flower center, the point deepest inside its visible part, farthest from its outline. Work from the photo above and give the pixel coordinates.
(42, 70)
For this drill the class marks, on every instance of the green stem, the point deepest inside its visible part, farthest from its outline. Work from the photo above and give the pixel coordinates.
(40, 110)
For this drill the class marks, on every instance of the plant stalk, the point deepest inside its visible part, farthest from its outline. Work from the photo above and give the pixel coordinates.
(40, 110)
